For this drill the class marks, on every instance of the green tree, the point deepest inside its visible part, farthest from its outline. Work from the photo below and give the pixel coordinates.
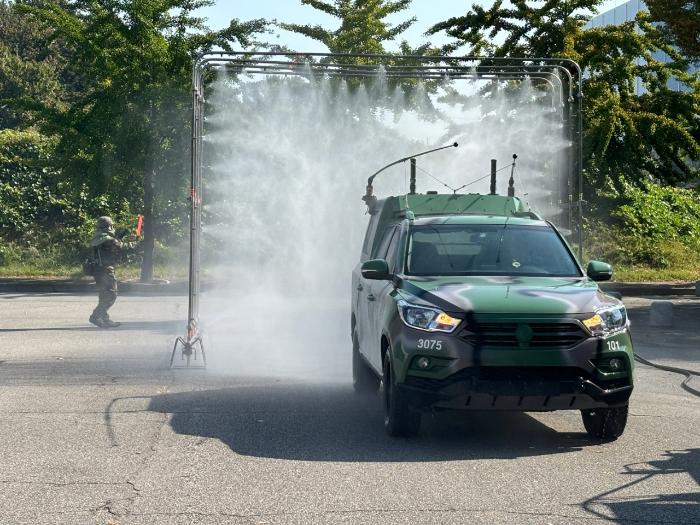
(30, 67)
(125, 132)
(363, 28)
(627, 136)
(681, 23)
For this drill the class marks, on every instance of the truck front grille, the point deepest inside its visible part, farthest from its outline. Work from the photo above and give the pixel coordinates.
(516, 376)
(526, 335)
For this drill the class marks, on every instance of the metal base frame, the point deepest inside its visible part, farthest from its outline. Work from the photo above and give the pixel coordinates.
(562, 76)
(190, 349)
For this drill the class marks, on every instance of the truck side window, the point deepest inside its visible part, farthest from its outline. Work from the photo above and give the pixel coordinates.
(369, 235)
(383, 247)
(392, 251)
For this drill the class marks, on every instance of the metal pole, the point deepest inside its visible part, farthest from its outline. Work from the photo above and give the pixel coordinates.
(191, 307)
(580, 170)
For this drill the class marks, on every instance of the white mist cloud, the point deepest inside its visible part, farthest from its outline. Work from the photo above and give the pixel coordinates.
(287, 163)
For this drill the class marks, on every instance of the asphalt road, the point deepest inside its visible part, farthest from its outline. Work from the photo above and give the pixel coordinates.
(97, 429)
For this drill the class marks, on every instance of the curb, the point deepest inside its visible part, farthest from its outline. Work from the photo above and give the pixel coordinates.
(646, 289)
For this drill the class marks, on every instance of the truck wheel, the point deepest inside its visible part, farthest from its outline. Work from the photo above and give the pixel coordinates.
(364, 380)
(605, 423)
(399, 419)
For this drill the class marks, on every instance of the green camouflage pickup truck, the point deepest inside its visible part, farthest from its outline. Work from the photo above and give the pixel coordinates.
(473, 302)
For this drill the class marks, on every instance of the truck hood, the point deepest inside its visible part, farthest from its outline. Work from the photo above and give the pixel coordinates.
(506, 295)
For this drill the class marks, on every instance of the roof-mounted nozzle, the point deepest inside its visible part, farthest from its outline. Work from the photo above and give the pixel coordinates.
(511, 182)
(369, 197)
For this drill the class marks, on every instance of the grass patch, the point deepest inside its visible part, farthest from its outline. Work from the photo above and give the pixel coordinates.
(126, 272)
(642, 275)
(57, 261)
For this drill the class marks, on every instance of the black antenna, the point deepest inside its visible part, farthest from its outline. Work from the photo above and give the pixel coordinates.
(412, 187)
(369, 198)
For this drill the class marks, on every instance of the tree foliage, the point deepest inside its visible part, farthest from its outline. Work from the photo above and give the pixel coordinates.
(681, 23)
(528, 29)
(627, 135)
(95, 104)
(30, 67)
(363, 28)
(125, 132)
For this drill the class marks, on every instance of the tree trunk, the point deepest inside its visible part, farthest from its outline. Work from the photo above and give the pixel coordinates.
(149, 240)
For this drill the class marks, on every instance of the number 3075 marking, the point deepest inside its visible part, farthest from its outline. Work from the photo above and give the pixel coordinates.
(430, 344)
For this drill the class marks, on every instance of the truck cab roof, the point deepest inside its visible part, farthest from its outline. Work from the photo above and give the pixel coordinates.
(433, 204)
(479, 219)
(471, 208)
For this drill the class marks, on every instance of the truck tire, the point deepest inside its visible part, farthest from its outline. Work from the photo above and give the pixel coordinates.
(364, 380)
(605, 423)
(399, 419)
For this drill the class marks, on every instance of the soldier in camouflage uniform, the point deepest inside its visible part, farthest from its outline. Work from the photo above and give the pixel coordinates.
(107, 249)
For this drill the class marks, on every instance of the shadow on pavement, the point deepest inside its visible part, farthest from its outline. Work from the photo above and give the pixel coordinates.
(330, 423)
(164, 327)
(85, 328)
(657, 508)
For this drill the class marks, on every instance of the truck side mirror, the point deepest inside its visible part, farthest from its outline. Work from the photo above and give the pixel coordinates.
(376, 270)
(599, 271)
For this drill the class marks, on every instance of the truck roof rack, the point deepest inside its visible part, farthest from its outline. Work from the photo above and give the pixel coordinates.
(423, 205)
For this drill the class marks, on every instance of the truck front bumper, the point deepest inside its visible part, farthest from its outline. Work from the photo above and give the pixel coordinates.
(530, 395)
(468, 377)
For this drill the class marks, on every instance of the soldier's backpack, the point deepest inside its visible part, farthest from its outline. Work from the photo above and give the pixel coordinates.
(92, 263)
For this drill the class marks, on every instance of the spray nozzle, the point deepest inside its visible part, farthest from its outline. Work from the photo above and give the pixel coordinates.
(511, 182)
(370, 199)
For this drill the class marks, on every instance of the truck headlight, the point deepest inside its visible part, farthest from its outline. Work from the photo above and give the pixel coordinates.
(607, 321)
(428, 319)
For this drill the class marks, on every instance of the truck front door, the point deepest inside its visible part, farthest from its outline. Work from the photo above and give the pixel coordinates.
(377, 292)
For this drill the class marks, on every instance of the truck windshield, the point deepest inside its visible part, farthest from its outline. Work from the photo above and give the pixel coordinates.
(487, 249)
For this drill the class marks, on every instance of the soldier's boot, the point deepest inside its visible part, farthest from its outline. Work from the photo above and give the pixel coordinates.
(108, 323)
(97, 321)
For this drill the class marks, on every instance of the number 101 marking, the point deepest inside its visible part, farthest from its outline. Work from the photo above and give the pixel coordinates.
(613, 345)
(430, 344)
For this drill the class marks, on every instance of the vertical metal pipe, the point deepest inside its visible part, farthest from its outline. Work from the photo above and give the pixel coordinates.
(493, 176)
(199, 201)
(193, 175)
(580, 168)
(412, 187)
(195, 201)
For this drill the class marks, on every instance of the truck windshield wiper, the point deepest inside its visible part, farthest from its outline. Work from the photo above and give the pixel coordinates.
(500, 241)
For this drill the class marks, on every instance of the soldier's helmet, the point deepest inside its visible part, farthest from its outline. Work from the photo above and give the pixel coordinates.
(105, 223)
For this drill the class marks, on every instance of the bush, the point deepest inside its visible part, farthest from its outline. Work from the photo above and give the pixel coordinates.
(26, 196)
(660, 213)
(655, 227)
(40, 210)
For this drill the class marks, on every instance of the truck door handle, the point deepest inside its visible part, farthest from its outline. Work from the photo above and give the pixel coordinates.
(359, 287)
(370, 297)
